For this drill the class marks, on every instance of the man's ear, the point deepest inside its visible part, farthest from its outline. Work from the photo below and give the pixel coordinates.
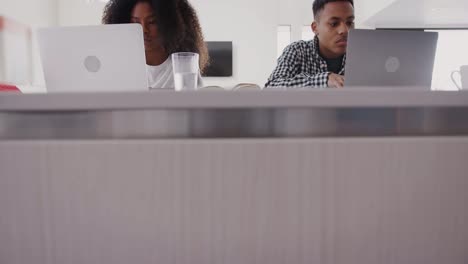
(314, 28)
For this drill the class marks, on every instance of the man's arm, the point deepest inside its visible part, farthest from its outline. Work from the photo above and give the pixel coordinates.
(288, 72)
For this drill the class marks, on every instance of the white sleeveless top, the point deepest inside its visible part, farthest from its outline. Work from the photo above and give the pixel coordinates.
(161, 76)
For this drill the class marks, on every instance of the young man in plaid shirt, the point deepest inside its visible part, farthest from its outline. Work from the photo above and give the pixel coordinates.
(319, 62)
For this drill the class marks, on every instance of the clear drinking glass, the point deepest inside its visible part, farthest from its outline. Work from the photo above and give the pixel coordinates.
(186, 70)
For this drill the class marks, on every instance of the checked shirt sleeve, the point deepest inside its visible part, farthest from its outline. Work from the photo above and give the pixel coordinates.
(290, 72)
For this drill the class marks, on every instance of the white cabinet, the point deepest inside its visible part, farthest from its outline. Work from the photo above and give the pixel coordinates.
(421, 14)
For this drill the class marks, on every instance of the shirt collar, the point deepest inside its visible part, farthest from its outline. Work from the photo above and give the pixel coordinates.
(316, 53)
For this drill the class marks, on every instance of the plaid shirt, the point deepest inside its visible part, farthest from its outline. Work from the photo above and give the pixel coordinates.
(300, 65)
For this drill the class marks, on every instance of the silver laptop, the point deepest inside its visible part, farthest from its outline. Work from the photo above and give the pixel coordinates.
(93, 58)
(390, 58)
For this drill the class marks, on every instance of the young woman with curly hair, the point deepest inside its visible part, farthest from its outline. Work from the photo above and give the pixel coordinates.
(169, 26)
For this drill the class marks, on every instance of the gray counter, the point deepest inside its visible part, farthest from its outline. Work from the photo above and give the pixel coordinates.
(241, 114)
(201, 185)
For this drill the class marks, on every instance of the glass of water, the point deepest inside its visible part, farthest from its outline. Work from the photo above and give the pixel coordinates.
(186, 70)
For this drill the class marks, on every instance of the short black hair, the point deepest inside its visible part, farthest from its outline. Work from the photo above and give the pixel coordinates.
(319, 5)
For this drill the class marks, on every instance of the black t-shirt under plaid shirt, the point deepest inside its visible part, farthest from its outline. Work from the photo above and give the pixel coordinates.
(301, 65)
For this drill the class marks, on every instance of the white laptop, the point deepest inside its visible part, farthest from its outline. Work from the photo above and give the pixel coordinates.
(101, 58)
(390, 58)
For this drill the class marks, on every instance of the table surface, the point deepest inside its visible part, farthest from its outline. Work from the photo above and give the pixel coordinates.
(278, 98)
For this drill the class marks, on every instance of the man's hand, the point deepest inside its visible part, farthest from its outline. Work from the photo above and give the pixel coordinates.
(335, 80)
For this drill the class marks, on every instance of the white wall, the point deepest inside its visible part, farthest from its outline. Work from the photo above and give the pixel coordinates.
(79, 12)
(365, 9)
(251, 26)
(34, 13)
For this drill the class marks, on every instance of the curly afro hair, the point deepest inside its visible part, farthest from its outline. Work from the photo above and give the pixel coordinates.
(178, 24)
